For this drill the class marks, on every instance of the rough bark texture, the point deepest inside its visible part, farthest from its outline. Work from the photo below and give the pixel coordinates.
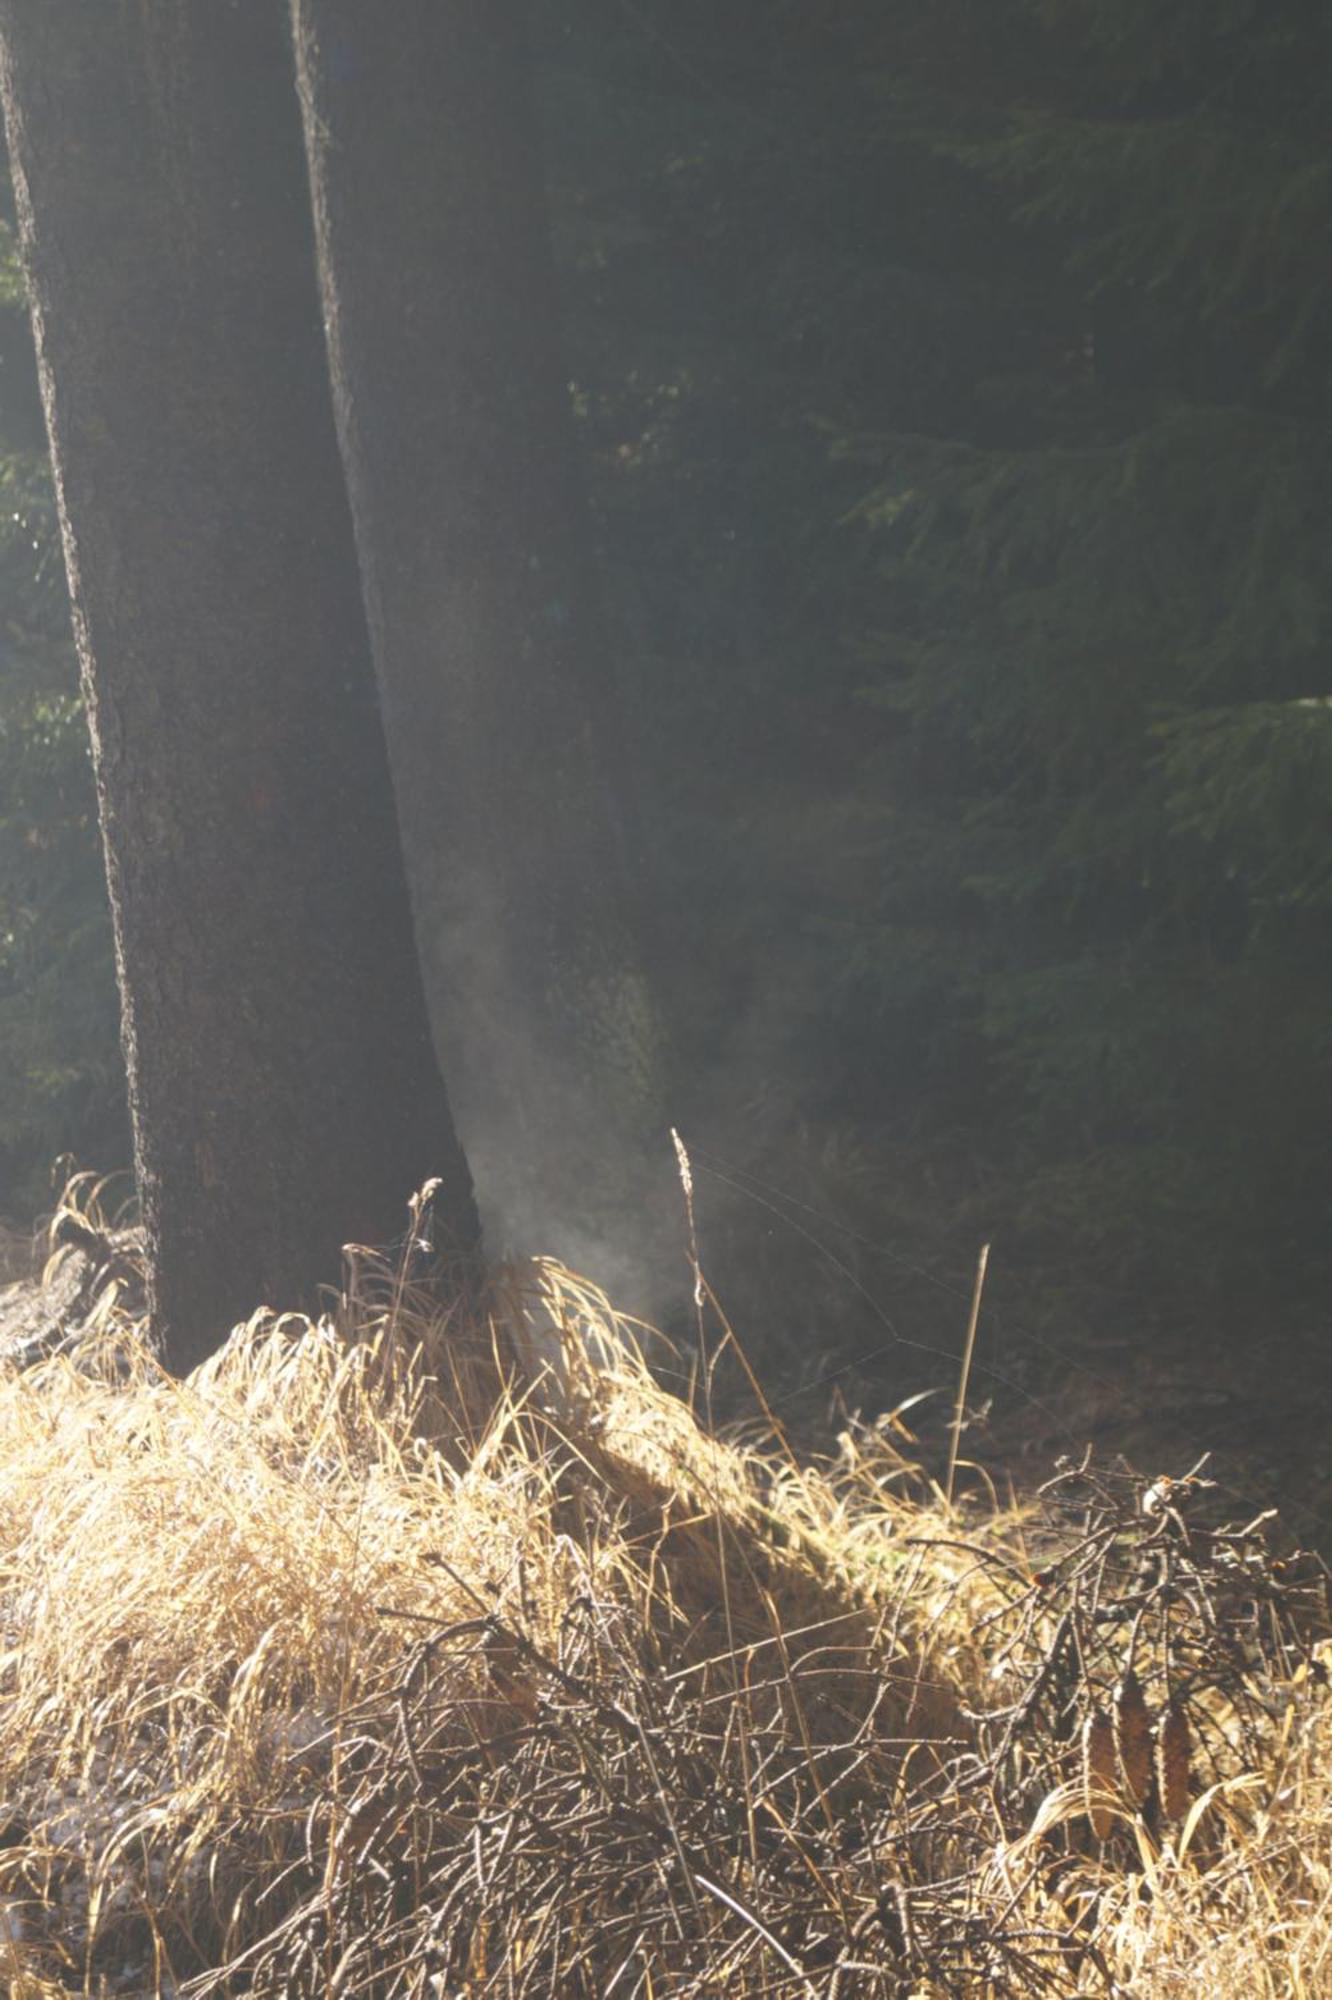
(439, 303)
(283, 1087)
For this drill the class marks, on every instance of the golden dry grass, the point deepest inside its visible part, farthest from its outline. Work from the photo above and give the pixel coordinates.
(398, 1656)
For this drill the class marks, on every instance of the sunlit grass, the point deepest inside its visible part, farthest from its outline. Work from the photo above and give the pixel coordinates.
(406, 1653)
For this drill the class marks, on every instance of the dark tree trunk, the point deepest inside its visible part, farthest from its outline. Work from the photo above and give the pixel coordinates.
(283, 1087)
(440, 306)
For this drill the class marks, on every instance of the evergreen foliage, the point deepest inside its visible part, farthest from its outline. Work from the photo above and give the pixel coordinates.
(1037, 847)
(1100, 639)
(61, 1083)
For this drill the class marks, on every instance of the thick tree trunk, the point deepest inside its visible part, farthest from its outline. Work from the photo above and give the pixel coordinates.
(283, 1087)
(440, 305)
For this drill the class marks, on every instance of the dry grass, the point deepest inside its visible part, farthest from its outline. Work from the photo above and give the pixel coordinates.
(387, 1656)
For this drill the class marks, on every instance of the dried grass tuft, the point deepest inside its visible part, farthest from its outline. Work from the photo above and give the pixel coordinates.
(398, 1654)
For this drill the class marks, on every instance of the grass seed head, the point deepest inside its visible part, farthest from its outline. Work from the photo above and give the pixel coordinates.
(1133, 1738)
(1172, 1762)
(1099, 1780)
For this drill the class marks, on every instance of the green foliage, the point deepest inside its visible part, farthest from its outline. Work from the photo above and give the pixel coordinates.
(61, 1084)
(1102, 625)
(965, 494)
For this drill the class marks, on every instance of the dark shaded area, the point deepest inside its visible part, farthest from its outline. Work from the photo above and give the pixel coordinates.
(62, 1085)
(284, 1090)
(957, 385)
(952, 383)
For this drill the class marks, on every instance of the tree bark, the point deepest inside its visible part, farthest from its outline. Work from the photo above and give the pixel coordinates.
(440, 307)
(283, 1088)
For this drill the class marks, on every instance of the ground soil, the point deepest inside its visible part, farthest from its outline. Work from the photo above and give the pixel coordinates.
(1261, 1407)
(18, 1252)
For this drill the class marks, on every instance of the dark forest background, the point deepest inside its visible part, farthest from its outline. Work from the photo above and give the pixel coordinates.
(953, 385)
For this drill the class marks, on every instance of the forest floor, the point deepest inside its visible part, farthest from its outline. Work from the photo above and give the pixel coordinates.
(19, 1252)
(1263, 1413)
(389, 1655)
(1258, 1402)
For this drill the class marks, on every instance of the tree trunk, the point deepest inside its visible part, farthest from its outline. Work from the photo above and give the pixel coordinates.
(439, 302)
(283, 1087)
